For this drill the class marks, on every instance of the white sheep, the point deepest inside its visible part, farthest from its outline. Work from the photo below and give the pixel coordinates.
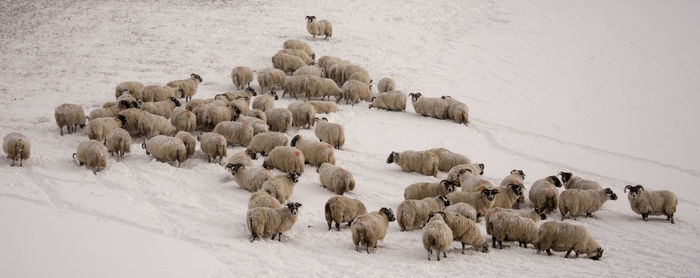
(279, 119)
(183, 119)
(342, 209)
(161, 108)
(281, 186)
(578, 202)
(369, 228)
(545, 196)
(99, 128)
(423, 162)
(361, 76)
(187, 86)
(236, 133)
(324, 107)
(437, 235)
(421, 190)
(315, 153)
(256, 113)
(516, 177)
(392, 101)
(508, 195)
(465, 231)
(260, 199)
(431, 107)
(213, 145)
(118, 141)
(319, 27)
(265, 101)
(471, 182)
(504, 226)
(131, 116)
(166, 149)
(70, 116)
(213, 114)
(153, 93)
(336, 179)
(287, 63)
(561, 236)
(287, 159)
(354, 91)
(414, 213)
(245, 158)
(92, 153)
(16, 146)
(348, 70)
(259, 126)
(330, 133)
(263, 143)
(299, 53)
(303, 114)
(572, 182)
(456, 110)
(241, 105)
(326, 62)
(265, 222)
(297, 44)
(248, 177)
(659, 202)
(386, 84)
(295, 85)
(309, 70)
(319, 87)
(458, 170)
(270, 79)
(135, 88)
(449, 159)
(107, 112)
(151, 125)
(241, 77)
(189, 141)
(481, 201)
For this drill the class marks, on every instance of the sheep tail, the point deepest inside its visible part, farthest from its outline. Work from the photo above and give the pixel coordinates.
(328, 213)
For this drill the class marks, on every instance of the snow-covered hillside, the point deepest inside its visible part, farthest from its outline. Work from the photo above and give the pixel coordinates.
(605, 89)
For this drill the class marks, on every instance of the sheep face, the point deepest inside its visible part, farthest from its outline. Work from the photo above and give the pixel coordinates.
(274, 94)
(293, 208)
(444, 200)
(611, 194)
(122, 118)
(490, 193)
(310, 18)
(389, 214)
(234, 167)
(136, 104)
(635, 191)
(182, 92)
(196, 76)
(125, 104)
(175, 101)
(518, 172)
(484, 248)
(565, 176)
(252, 91)
(266, 165)
(294, 140)
(518, 189)
(252, 154)
(596, 254)
(415, 97)
(554, 180)
(449, 185)
(293, 176)
(390, 159)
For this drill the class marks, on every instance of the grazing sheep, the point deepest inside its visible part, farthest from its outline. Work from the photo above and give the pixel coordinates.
(456, 110)
(241, 104)
(431, 107)
(118, 141)
(161, 108)
(259, 126)
(423, 162)
(135, 88)
(465, 231)
(324, 88)
(449, 159)
(463, 209)
(326, 62)
(128, 101)
(92, 153)
(315, 153)
(260, 199)
(545, 196)
(481, 201)
(213, 145)
(212, 115)
(166, 149)
(336, 179)
(281, 186)
(414, 213)
(183, 119)
(256, 113)
(319, 27)
(437, 235)
(109, 104)
(241, 77)
(529, 214)
(562, 236)
(572, 182)
(324, 107)
(309, 70)
(348, 70)
(187, 86)
(516, 177)
(504, 226)
(422, 190)
(235, 132)
(245, 158)
(70, 116)
(99, 128)
(299, 53)
(577, 202)
(189, 141)
(342, 209)
(107, 112)
(287, 63)
(16, 146)
(297, 44)
(132, 116)
(392, 101)
(458, 170)
(361, 76)
(659, 202)
(303, 114)
(279, 119)
(152, 125)
(287, 159)
(386, 84)
(270, 79)
(263, 143)
(295, 85)
(335, 71)
(367, 229)
(330, 133)
(508, 196)
(354, 91)
(265, 222)
(249, 178)
(248, 92)
(265, 101)
(153, 93)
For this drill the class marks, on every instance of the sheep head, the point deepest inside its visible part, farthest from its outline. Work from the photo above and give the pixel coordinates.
(634, 190)
(565, 176)
(449, 185)
(390, 159)
(252, 154)
(295, 140)
(122, 118)
(252, 91)
(444, 200)
(598, 253)
(175, 101)
(293, 207)
(554, 180)
(490, 193)
(388, 213)
(196, 76)
(517, 189)
(481, 166)
(611, 194)
(293, 176)
(310, 18)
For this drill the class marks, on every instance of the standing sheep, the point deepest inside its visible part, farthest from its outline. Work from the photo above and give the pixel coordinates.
(281, 186)
(263, 143)
(279, 119)
(70, 116)
(414, 213)
(16, 146)
(449, 159)
(659, 202)
(436, 235)
(342, 209)
(309, 70)
(456, 110)
(260, 199)
(256, 113)
(295, 85)
(423, 162)
(189, 141)
(367, 229)
(235, 132)
(183, 119)
(482, 201)
(212, 115)
(303, 114)
(241, 77)
(336, 179)
(92, 153)
(153, 93)
(270, 79)
(319, 27)
(265, 101)
(99, 128)
(354, 91)
(118, 141)
(422, 190)
(315, 153)
(465, 231)
(259, 126)
(386, 84)
(392, 101)
(265, 222)
(187, 86)
(562, 236)
(324, 107)
(463, 209)
(166, 149)
(326, 62)
(161, 108)
(132, 116)
(287, 63)
(545, 196)
(508, 196)
(516, 177)
(151, 125)
(431, 107)
(249, 178)
(572, 182)
(507, 226)
(577, 202)
(134, 87)
(287, 159)
(457, 171)
(330, 133)
(213, 145)
(297, 44)
(299, 53)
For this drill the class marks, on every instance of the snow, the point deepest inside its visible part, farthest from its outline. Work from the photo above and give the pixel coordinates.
(605, 89)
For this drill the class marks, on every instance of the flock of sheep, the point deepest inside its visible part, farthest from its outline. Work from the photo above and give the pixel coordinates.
(444, 213)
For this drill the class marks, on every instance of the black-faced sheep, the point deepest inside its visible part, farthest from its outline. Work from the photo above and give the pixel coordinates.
(565, 237)
(92, 153)
(414, 213)
(330, 133)
(545, 196)
(265, 222)
(188, 86)
(659, 202)
(423, 162)
(436, 235)
(319, 27)
(70, 116)
(369, 228)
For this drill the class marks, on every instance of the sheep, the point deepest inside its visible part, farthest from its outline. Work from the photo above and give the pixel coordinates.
(309, 70)
(330, 133)
(241, 77)
(326, 62)
(133, 87)
(336, 179)
(335, 71)
(235, 132)
(529, 214)
(315, 153)
(572, 182)
(287, 159)
(347, 70)
(151, 125)
(515, 177)
(241, 104)
(465, 231)
(507, 226)
(256, 113)
(248, 92)
(423, 162)
(430, 107)
(128, 101)
(70, 116)
(244, 158)
(449, 159)
(297, 44)
(183, 119)
(187, 86)
(458, 170)
(287, 63)
(295, 85)
(109, 104)
(392, 101)
(132, 116)
(118, 141)
(509, 195)
(354, 91)
(213, 145)
(322, 87)
(153, 93)
(16, 146)
(456, 110)
(270, 79)
(265, 101)
(263, 143)
(279, 119)
(368, 228)
(212, 115)
(166, 149)
(437, 235)
(161, 108)
(577, 202)
(545, 196)
(342, 209)
(324, 107)
(481, 201)
(189, 141)
(281, 186)
(386, 84)
(659, 202)
(562, 236)
(361, 76)
(99, 128)
(414, 213)
(299, 53)
(92, 153)
(249, 178)
(303, 114)
(107, 112)
(319, 27)
(260, 199)
(463, 209)
(265, 222)
(419, 191)
(259, 126)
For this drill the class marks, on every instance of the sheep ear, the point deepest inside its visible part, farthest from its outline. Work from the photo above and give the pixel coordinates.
(626, 188)
(639, 186)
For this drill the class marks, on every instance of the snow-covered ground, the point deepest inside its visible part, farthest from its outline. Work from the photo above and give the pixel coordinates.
(605, 89)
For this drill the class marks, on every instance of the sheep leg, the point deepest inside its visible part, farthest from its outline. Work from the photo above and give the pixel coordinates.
(463, 248)
(575, 254)
(273, 236)
(493, 242)
(337, 226)
(549, 252)
(329, 224)
(645, 216)
(500, 244)
(430, 253)
(279, 237)
(588, 214)
(357, 247)
(567, 254)
(444, 254)
(61, 129)
(254, 237)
